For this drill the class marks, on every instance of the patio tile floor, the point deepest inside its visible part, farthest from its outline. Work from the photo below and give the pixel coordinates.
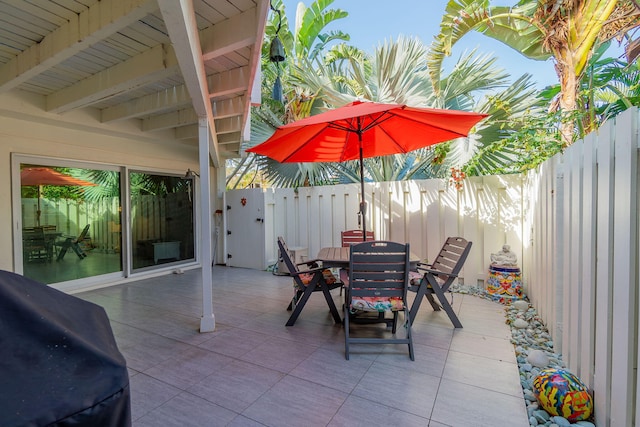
(254, 371)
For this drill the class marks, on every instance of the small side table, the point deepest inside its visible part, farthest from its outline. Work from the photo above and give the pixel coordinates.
(504, 283)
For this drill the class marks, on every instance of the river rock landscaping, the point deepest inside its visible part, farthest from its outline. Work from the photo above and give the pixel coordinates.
(534, 351)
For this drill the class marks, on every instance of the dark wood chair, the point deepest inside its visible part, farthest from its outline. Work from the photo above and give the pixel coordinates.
(72, 243)
(349, 237)
(313, 278)
(34, 245)
(378, 280)
(437, 277)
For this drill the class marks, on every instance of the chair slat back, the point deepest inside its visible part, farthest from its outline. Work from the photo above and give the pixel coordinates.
(452, 256)
(350, 237)
(378, 269)
(284, 253)
(83, 233)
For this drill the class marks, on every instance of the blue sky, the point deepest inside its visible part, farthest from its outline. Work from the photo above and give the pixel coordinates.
(370, 22)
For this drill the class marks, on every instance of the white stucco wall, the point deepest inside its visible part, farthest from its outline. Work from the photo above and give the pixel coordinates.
(25, 128)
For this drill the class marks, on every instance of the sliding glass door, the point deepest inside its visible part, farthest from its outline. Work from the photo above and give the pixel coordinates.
(70, 217)
(162, 219)
(76, 223)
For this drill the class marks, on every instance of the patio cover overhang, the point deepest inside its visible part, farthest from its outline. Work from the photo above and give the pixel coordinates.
(183, 68)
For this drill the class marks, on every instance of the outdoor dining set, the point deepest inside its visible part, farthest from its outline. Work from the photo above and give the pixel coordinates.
(42, 243)
(376, 277)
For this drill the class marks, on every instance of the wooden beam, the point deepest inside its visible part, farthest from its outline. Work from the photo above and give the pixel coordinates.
(231, 124)
(98, 22)
(230, 35)
(221, 84)
(154, 64)
(188, 132)
(179, 17)
(229, 82)
(171, 98)
(228, 108)
(183, 117)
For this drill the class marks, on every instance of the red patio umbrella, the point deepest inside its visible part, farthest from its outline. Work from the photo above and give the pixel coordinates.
(364, 129)
(40, 176)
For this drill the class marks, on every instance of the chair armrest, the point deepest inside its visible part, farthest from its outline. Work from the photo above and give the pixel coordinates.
(310, 271)
(438, 272)
(312, 263)
(422, 266)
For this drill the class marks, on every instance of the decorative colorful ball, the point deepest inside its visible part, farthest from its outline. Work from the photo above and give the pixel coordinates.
(559, 392)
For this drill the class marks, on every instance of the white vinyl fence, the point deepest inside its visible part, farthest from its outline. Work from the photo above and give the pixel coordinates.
(582, 269)
(487, 211)
(573, 224)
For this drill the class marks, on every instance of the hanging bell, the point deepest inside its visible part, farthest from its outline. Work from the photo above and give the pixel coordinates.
(276, 50)
(277, 94)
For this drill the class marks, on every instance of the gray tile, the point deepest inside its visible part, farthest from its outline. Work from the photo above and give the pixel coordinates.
(148, 350)
(331, 369)
(463, 405)
(253, 371)
(187, 410)
(148, 393)
(359, 412)
(242, 421)
(234, 342)
(399, 388)
(236, 386)
(428, 360)
(189, 367)
(295, 402)
(437, 424)
(483, 345)
(483, 372)
(432, 335)
(282, 355)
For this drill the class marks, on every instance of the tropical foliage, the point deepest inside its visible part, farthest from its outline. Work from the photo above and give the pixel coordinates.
(321, 73)
(566, 30)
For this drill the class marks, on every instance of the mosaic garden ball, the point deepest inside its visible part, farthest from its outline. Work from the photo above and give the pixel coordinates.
(559, 392)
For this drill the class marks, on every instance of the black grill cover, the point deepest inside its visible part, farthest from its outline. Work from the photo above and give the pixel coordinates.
(59, 362)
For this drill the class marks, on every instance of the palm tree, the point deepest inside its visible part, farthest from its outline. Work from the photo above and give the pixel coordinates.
(304, 44)
(566, 30)
(396, 73)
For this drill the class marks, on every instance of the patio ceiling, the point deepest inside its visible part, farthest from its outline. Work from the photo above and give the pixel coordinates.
(163, 64)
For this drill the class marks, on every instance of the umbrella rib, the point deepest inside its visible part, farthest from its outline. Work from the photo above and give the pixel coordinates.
(292, 153)
(374, 122)
(382, 117)
(436, 127)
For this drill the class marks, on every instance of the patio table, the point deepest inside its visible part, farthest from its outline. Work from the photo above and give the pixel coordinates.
(338, 257)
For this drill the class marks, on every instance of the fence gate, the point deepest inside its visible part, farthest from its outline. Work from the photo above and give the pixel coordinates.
(245, 229)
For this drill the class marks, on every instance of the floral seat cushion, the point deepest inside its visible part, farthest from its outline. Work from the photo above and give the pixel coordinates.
(377, 304)
(307, 277)
(415, 278)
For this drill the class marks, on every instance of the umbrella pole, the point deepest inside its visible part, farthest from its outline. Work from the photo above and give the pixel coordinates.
(363, 204)
(38, 212)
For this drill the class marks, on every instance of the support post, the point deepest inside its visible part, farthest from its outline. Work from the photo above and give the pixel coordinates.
(208, 320)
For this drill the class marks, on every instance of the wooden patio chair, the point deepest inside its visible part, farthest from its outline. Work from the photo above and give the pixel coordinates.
(378, 279)
(349, 237)
(73, 243)
(313, 278)
(437, 277)
(34, 245)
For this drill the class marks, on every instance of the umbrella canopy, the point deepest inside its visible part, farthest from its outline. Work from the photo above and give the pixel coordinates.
(39, 176)
(364, 129)
(47, 176)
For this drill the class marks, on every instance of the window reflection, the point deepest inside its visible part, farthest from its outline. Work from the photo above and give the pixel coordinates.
(162, 225)
(66, 215)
